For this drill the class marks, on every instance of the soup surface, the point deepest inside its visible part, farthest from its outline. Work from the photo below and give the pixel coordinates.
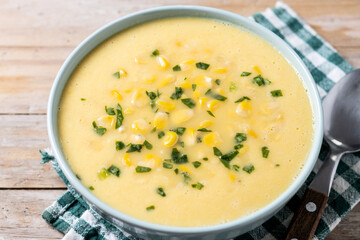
(185, 122)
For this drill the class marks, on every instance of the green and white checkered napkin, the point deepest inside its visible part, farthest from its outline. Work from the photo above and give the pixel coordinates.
(71, 215)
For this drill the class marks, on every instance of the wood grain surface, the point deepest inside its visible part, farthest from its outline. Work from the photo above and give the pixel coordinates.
(36, 36)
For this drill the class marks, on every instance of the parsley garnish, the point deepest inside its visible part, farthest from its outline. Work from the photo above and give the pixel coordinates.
(91, 188)
(232, 86)
(150, 208)
(151, 95)
(244, 74)
(176, 68)
(179, 131)
(177, 94)
(249, 168)
(276, 93)
(167, 165)
(205, 158)
(193, 86)
(217, 81)
(141, 169)
(109, 111)
(203, 66)
(155, 53)
(161, 192)
(78, 176)
(83, 99)
(161, 134)
(117, 74)
(236, 167)
(217, 152)
(238, 146)
(242, 99)
(204, 130)
(259, 80)
(226, 158)
(210, 113)
(177, 157)
(215, 95)
(186, 176)
(114, 170)
(188, 102)
(99, 130)
(119, 145)
(240, 137)
(148, 145)
(196, 164)
(198, 185)
(103, 173)
(277, 165)
(119, 116)
(265, 151)
(135, 148)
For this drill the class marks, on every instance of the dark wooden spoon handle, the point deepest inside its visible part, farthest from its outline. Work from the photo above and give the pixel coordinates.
(306, 219)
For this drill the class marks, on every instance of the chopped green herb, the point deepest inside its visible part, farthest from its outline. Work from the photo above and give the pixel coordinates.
(141, 169)
(236, 167)
(109, 111)
(155, 53)
(198, 140)
(217, 152)
(153, 130)
(217, 81)
(242, 99)
(167, 165)
(148, 145)
(151, 95)
(188, 102)
(179, 131)
(249, 168)
(193, 86)
(205, 158)
(176, 68)
(186, 176)
(161, 192)
(244, 74)
(226, 158)
(196, 164)
(161, 134)
(232, 86)
(210, 113)
(134, 148)
(83, 99)
(204, 130)
(182, 144)
(176, 171)
(203, 66)
(277, 165)
(91, 188)
(198, 185)
(103, 173)
(240, 137)
(117, 75)
(99, 130)
(78, 176)
(152, 104)
(215, 95)
(119, 117)
(265, 151)
(114, 170)
(150, 208)
(238, 146)
(276, 93)
(177, 157)
(259, 80)
(177, 94)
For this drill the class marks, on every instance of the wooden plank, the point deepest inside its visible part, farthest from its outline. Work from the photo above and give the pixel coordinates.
(20, 214)
(21, 138)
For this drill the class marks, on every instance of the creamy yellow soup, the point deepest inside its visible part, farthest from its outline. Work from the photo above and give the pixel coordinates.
(185, 122)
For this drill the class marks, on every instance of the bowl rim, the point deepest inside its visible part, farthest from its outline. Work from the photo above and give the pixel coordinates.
(307, 79)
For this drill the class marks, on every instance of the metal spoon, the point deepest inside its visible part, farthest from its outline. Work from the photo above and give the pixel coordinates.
(342, 133)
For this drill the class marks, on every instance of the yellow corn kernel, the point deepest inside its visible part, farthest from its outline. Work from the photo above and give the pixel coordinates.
(182, 168)
(162, 61)
(152, 157)
(138, 97)
(257, 69)
(137, 138)
(128, 111)
(161, 120)
(122, 72)
(203, 81)
(231, 113)
(212, 139)
(140, 126)
(244, 108)
(189, 136)
(196, 94)
(206, 123)
(170, 139)
(179, 44)
(202, 101)
(187, 65)
(164, 104)
(139, 61)
(251, 133)
(185, 85)
(116, 94)
(243, 149)
(106, 121)
(166, 81)
(128, 90)
(232, 176)
(181, 116)
(219, 70)
(213, 104)
(149, 80)
(265, 110)
(220, 91)
(126, 159)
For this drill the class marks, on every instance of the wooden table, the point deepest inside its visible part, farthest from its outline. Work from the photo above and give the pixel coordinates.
(35, 39)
